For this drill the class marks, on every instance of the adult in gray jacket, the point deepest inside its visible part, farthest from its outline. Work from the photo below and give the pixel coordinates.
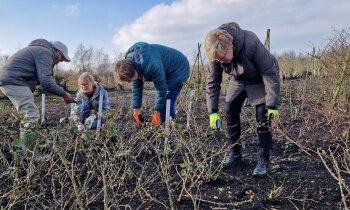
(253, 74)
(29, 67)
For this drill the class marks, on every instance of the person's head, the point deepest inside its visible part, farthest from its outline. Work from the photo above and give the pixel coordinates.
(60, 51)
(125, 71)
(86, 83)
(219, 46)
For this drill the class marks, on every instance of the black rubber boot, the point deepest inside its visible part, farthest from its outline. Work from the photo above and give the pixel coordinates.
(233, 158)
(263, 162)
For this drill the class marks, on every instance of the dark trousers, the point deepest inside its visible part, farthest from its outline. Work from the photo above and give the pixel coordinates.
(172, 95)
(86, 113)
(233, 110)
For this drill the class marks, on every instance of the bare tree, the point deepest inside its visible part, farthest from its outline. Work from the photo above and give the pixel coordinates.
(3, 57)
(83, 58)
(102, 61)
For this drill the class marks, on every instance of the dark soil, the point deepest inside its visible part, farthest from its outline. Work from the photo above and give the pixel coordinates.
(297, 179)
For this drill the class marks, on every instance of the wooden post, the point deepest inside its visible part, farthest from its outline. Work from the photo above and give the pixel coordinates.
(340, 81)
(189, 110)
(267, 40)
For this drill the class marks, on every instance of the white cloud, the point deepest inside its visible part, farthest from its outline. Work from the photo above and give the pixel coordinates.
(184, 23)
(72, 10)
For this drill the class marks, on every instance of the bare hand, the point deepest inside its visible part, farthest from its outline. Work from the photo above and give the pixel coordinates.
(67, 98)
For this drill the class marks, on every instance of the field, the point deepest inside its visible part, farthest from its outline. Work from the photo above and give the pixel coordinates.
(128, 167)
(142, 168)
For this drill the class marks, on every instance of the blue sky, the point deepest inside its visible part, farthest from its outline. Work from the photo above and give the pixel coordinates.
(115, 25)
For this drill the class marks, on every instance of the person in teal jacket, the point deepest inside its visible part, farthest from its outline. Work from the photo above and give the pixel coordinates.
(168, 68)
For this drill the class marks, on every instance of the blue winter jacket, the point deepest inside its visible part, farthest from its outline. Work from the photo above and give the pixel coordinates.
(168, 68)
(93, 101)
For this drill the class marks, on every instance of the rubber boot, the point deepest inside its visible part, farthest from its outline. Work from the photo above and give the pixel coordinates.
(263, 162)
(233, 158)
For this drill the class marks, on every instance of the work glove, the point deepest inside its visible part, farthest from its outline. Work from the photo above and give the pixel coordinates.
(214, 121)
(272, 113)
(138, 117)
(81, 127)
(88, 121)
(156, 119)
(76, 119)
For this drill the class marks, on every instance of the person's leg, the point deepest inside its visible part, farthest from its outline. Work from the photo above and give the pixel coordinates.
(172, 95)
(233, 110)
(23, 100)
(85, 112)
(265, 141)
(94, 124)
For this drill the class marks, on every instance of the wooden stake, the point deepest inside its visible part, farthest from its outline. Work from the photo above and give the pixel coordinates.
(189, 110)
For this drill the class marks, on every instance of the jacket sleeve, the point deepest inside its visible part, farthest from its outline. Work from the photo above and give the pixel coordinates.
(159, 80)
(105, 104)
(268, 66)
(214, 79)
(137, 91)
(44, 67)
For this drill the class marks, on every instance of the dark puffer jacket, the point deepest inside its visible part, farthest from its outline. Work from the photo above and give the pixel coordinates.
(253, 68)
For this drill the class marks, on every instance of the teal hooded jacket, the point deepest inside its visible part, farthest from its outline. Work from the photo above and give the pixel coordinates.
(166, 67)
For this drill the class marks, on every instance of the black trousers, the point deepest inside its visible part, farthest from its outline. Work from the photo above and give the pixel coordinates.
(233, 111)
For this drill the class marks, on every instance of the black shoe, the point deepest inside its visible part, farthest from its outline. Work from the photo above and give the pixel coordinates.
(233, 158)
(263, 163)
(261, 169)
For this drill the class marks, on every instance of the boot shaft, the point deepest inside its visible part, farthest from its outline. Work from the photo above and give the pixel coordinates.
(264, 155)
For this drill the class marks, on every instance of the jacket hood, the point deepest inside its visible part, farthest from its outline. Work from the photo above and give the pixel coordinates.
(237, 34)
(42, 43)
(139, 54)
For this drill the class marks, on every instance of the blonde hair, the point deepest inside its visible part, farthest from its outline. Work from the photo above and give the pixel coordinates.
(217, 43)
(124, 70)
(86, 76)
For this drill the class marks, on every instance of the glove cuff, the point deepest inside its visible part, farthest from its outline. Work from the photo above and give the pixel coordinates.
(137, 111)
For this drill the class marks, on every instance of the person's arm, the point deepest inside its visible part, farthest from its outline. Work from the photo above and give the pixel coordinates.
(44, 66)
(159, 81)
(137, 92)
(268, 66)
(214, 79)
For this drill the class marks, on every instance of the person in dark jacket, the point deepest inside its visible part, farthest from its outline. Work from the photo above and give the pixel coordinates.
(168, 68)
(253, 74)
(29, 67)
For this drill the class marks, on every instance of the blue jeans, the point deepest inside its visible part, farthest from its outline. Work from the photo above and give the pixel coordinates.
(86, 113)
(172, 95)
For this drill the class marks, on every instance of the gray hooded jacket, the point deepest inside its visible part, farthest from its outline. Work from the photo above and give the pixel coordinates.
(31, 66)
(253, 68)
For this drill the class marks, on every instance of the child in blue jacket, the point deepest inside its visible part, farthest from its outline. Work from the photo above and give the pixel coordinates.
(166, 67)
(87, 99)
